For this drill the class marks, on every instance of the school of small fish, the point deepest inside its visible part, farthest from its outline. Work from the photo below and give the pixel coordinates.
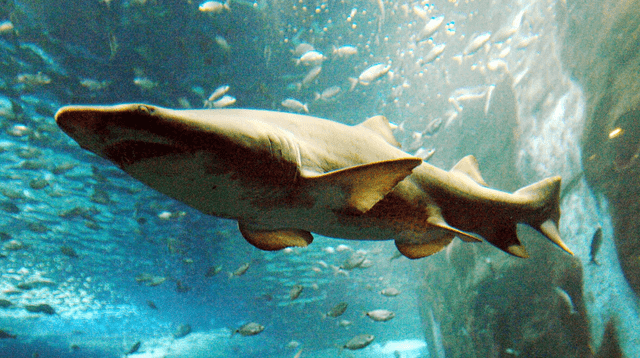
(372, 55)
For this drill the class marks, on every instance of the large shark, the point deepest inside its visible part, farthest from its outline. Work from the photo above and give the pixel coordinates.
(283, 176)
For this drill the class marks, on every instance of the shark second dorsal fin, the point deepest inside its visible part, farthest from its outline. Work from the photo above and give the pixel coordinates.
(469, 167)
(274, 240)
(357, 189)
(381, 126)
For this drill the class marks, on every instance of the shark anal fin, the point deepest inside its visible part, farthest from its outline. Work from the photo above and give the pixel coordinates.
(381, 126)
(357, 189)
(417, 251)
(469, 167)
(274, 240)
(503, 235)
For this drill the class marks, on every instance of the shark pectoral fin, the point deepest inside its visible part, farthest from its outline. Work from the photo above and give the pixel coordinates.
(362, 186)
(274, 240)
(417, 251)
(381, 126)
(469, 167)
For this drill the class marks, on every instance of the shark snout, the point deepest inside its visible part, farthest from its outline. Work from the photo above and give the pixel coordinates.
(85, 125)
(80, 122)
(67, 120)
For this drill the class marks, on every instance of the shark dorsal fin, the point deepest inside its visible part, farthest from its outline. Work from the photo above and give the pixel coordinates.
(381, 126)
(357, 189)
(469, 167)
(273, 240)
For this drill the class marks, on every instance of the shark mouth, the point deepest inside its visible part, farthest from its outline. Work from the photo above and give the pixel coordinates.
(128, 152)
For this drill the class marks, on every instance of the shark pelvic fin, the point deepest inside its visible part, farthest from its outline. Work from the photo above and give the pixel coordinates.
(381, 126)
(469, 166)
(274, 240)
(439, 222)
(357, 189)
(417, 251)
(438, 236)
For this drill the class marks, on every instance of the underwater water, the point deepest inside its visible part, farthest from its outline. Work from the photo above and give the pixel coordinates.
(94, 263)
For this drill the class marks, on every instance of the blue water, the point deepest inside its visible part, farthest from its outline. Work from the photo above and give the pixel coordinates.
(122, 231)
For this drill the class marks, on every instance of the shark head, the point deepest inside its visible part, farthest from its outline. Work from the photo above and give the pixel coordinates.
(130, 135)
(124, 134)
(186, 153)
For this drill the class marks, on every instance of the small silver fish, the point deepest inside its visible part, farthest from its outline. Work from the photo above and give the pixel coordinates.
(476, 43)
(504, 34)
(390, 292)
(311, 58)
(566, 298)
(134, 348)
(214, 7)
(249, 329)
(337, 310)
(225, 101)
(311, 76)
(359, 341)
(302, 48)
(222, 42)
(294, 104)
(240, 270)
(6, 27)
(596, 243)
(370, 74)
(328, 93)
(430, 28)
(433, 126)
(344, 51)
(434, 53)
(295, 292)
(381, 315)
(219, 92)
(425, 154)
(352, 262)
(145, 83)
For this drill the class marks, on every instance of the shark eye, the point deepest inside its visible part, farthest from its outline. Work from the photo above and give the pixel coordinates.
(145, 109)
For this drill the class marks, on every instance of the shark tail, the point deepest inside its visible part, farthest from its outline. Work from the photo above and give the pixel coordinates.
(542, 212)
(546, 216)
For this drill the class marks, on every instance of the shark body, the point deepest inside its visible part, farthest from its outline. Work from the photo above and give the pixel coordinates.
(283, 176)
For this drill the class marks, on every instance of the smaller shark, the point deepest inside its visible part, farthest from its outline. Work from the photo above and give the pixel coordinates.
(283, 176)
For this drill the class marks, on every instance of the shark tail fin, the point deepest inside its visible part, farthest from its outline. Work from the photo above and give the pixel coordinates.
(542, 200)
(545, 195)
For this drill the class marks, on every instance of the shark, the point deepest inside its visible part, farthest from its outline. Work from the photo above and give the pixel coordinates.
(284, 176)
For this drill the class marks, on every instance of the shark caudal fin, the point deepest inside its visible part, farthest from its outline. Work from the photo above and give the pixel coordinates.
(546, 194)
(543, 199)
